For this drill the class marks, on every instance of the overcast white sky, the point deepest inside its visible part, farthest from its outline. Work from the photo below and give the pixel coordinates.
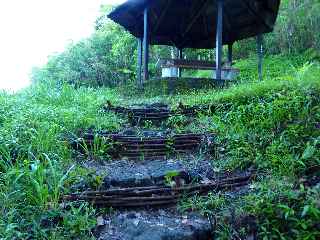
(31, 30)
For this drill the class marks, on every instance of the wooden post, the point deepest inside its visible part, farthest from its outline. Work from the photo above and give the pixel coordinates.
(219, 40)
(180, 53)
(146, 45)
(260, 55)
(180, 56)
(139, 70)
(230, 54)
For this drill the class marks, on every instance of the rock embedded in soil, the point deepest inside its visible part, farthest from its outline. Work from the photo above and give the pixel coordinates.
(127, 174)
(154, 225)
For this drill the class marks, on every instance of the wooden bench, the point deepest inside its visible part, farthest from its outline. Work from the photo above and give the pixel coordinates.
(171, 67)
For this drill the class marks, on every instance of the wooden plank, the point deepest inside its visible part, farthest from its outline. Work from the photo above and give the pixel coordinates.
(194, 64)
(184, 63)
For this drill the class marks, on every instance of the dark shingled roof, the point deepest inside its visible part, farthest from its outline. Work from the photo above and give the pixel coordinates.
(192, 23)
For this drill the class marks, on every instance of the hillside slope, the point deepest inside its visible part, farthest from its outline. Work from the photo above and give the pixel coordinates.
(271, 127)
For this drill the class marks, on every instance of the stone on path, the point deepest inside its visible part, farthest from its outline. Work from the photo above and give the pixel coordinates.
(125, 173)
(154, 225)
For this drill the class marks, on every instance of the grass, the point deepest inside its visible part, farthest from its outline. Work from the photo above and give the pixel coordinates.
(277, 71)
(36, 163)
(271, 125)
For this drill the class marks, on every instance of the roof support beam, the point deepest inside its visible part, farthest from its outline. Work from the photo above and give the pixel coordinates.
(180, 56)
(227, 25)
(139, 68)
(163, 14)
(195, 17)
(146, 37)
(230, 54)
(255, 14)
(219, 40)
(260, 55)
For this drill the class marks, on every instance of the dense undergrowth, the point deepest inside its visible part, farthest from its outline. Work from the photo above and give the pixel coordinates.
(272, 126)
(35, 162)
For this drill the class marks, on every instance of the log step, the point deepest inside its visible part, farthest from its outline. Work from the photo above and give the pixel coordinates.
(153, 195)
(155, 144)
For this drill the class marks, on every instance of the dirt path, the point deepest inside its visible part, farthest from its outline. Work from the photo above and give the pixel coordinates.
(149, 172)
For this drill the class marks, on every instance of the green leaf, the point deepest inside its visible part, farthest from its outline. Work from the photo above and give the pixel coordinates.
(308, 152)
(305, 211)
(304, 226)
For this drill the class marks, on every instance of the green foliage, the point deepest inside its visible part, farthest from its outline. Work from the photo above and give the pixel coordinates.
(170, 176)
(206, 205)
(104, 59)
(35, 160)
(272, 126)
(99, 148)
(29, 194)
(276, 130)
(274, 67)
(258, 123)
(78, 222)
(296, 30)
(284, 213)
(177, 122)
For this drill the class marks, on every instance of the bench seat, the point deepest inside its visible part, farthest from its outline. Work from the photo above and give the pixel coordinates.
(170, 68)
